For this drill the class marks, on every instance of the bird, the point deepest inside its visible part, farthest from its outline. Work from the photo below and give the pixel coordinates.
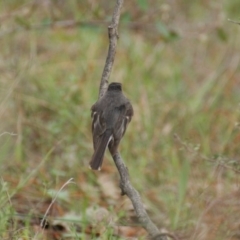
(110, 115)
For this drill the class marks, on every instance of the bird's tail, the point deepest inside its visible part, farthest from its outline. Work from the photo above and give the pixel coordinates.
(97, 158)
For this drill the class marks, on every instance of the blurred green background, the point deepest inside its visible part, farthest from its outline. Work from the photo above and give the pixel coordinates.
(178, 62)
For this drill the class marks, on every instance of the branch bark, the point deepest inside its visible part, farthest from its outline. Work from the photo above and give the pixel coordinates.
(113, 37)
(125, 183)
(132, 193)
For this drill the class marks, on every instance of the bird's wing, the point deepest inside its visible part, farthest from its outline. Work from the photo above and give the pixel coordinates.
(124, 116)
(128, 116)
(98, 125)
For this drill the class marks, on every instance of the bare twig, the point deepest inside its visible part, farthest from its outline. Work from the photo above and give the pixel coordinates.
(232, 21)
(223, 162)
(135, 198)
(125, 183)
(11, 134)
(113, 37)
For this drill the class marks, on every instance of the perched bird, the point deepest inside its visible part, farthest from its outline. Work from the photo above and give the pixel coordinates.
(110, 117)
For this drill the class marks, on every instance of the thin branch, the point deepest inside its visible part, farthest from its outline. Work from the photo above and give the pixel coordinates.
(113, 37)
(11, 134)
(132, 193)
(125, 183)
(232, 21)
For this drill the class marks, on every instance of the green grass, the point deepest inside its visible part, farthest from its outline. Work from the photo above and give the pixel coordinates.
(186, 86)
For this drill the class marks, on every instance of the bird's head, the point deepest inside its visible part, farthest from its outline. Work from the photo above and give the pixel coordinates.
(115, 86)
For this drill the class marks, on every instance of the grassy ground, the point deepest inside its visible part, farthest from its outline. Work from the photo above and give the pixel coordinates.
(179, 65)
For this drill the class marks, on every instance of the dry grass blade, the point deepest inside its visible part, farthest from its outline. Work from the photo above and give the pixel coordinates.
(43, 221)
